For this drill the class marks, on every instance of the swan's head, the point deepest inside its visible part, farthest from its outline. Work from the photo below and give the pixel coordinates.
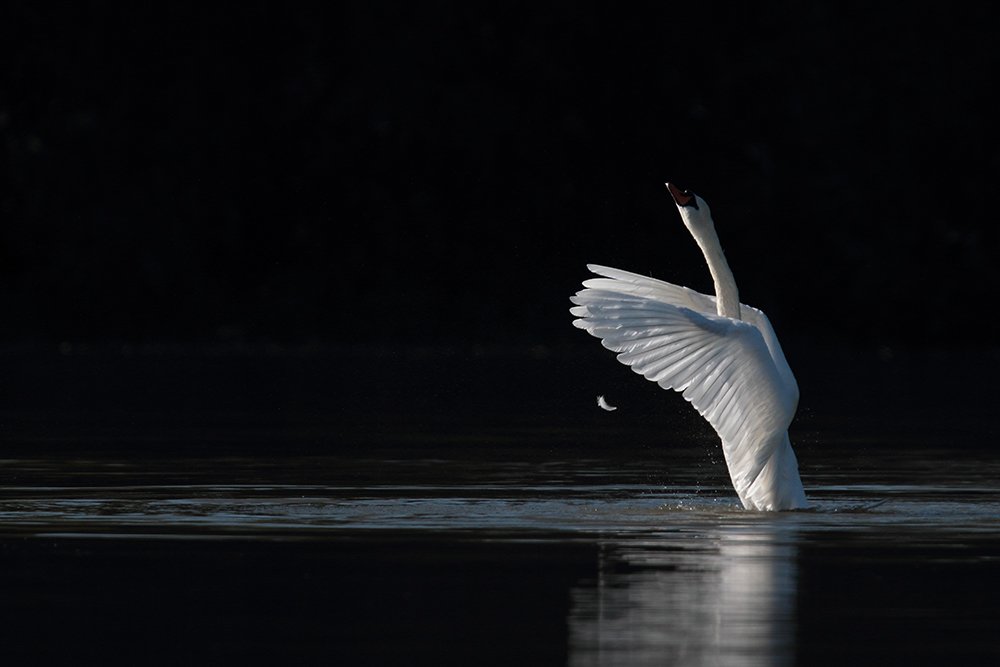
(693, 209)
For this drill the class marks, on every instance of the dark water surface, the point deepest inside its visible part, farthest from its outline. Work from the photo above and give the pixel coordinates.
(262, 507)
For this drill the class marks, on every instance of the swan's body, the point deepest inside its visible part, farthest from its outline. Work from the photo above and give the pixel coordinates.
(721, 354)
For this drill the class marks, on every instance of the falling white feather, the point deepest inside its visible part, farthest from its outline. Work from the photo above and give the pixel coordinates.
(601, 403)
(729, 366)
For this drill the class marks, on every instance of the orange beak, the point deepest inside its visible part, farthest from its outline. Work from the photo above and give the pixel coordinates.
(682, 198)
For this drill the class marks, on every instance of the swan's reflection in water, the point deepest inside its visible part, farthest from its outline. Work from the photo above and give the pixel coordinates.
(722, 597)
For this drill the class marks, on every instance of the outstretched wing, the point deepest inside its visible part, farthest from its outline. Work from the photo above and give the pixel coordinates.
(721, 365)
(628, 283)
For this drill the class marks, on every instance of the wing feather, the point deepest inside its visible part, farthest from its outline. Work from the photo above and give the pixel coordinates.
(620, 281)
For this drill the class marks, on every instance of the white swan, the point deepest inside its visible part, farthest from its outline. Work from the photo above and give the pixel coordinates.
(723, 356)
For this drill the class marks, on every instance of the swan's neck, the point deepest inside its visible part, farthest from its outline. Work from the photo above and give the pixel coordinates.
(726, 295)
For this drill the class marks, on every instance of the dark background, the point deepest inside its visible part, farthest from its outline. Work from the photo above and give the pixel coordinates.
(440, 173)
(386, 206)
